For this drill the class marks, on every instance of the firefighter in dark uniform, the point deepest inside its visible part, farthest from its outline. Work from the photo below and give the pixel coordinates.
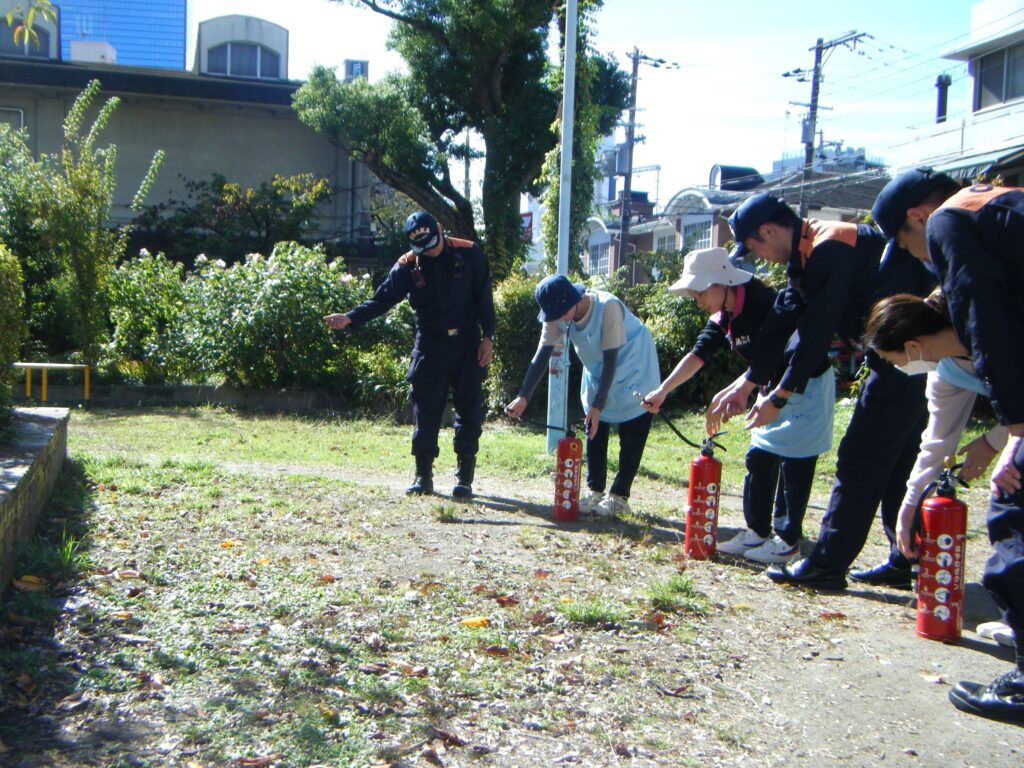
(834, 278)
(974, 239)
(448, 283)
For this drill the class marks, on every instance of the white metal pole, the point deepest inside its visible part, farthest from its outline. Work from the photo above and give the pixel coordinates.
(558, 370)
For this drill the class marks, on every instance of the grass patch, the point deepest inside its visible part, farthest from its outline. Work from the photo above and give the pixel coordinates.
(594, 612)
(677, 594)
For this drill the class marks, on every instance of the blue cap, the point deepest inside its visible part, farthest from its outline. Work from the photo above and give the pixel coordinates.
(556, 296)
(423, 231)
(904, 192)
(752, 213)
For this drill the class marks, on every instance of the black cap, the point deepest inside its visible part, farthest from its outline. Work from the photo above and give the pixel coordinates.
(903, 193)
(423, 231)
(752, 213)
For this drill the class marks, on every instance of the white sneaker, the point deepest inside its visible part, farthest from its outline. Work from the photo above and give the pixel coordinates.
(590, 500)
(612, 506)
(740, 543)
(998, 631)
(773, 550)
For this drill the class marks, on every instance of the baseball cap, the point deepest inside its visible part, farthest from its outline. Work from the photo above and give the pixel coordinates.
(904, 192)
(752, 213)
(707, 267)
(423, 231)
(556, 296)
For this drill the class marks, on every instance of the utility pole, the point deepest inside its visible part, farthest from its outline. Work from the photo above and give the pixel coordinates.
(627, 184)
(811, 125)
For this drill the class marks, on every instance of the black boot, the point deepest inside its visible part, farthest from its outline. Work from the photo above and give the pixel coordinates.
(464, 478)
(424, 482)
(1002, 699)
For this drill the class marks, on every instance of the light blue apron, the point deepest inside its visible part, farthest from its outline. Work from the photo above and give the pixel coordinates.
(804, 426)
(636, 369)
(951, 373)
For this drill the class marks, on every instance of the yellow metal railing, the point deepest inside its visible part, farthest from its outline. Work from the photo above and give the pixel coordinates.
(45, 367)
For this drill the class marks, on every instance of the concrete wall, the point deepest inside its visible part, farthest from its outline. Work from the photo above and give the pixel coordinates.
(247, 143)
(30, 467)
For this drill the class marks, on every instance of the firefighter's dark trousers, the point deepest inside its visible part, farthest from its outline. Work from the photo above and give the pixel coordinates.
(873, 463)
(436, 366)
(1004, 571)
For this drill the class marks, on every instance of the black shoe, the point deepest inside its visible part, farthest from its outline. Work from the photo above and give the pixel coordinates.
(803, 573)
(424, 482)
(464, 478)
(1002, 699)
(885, 575)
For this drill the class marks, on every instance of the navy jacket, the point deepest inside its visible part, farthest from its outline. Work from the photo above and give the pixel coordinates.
(741, 330)
(835, 277)
(450, 293)
(976, 241)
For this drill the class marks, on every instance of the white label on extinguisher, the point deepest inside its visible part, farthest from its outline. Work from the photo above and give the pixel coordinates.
(710, 514)
(569, 462)
(941, 613)
(711, 501)
(712, 487)
(945, 541)
(942, 595)
(709, 540)
(566, 504)
(943, 577)
(944, 559)
(709, 527)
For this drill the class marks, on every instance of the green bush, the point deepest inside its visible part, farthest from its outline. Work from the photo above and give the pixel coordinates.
(146, 296)
(515, 340)
(13, 325)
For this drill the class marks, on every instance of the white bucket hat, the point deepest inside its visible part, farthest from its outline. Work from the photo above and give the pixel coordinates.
(707, 267)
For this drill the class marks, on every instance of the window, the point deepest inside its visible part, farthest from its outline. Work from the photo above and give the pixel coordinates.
(998, 77)
(598, 261)
(28, 48)
(697, 235)
(665, 243)
(244, 60)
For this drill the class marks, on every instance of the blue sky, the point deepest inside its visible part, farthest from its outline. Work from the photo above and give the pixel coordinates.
(728, 103)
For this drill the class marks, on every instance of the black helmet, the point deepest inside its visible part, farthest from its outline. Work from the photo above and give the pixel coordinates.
(423, 231)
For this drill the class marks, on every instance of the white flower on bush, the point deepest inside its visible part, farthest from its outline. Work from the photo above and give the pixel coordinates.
(364, 276)
(143, 252)
(220, 264)
(201, 259)
(347, 278)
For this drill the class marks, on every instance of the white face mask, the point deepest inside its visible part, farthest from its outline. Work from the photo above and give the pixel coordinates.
(919, 366)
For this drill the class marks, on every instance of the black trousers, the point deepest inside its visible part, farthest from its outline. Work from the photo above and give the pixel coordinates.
(775, 493)
(873, 463)
(632, 439)
(1004, 571)
(446, 364)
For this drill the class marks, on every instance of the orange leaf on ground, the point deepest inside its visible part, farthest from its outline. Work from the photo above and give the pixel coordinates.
(328, 578)
(475, 621)
(498, 650)
(832, 615)
(228, 543)
(542, 573)
(30, 584)
(506, 601)
(258, 761)
(374, 669)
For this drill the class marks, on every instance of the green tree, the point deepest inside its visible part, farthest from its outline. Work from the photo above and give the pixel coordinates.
(58, 223)
(480, 65)
(12, 323)
(221, 218)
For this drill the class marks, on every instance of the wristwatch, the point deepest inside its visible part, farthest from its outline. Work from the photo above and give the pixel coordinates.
(778, 401)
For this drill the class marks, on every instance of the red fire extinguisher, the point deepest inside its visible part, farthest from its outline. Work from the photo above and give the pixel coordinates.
(702, 503)
(942, 519)
(705, 489)
(568, 472)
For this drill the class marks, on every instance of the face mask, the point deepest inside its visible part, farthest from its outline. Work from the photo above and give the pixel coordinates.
(917, 367)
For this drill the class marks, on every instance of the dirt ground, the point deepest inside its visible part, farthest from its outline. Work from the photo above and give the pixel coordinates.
(769, 676)
(794, 677)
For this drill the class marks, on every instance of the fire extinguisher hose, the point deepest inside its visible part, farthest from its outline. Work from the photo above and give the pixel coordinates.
(681, 436)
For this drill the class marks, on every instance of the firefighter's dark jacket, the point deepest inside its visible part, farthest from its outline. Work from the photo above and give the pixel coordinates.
(834, 278)
(741, 331)
(976, 241)
(450, 293)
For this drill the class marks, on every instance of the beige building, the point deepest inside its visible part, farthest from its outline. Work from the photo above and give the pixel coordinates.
(231, 115)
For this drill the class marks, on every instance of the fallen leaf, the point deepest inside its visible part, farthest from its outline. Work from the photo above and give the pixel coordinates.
(258, 761)
(193, 764)
(73, 702)
(498, 650)
(417, 671)
(506, 601)
(475, 621)
(134, 591)
(122, 615)
(428, 587)
(228, 544)
(30, 584)
(484, 589)
(328, 578)
(832, 615)
(622, 750)
(542, 573)
(330, 714)
(374, 669)
(448, 737)
(541, 617)
(430, 755)
(133, 639)
(128, 574)
(567, 599)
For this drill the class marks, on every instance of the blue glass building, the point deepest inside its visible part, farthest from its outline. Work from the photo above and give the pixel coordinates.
(144, 33)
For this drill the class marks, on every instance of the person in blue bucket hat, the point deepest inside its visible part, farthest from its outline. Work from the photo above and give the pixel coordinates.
(619, 358)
